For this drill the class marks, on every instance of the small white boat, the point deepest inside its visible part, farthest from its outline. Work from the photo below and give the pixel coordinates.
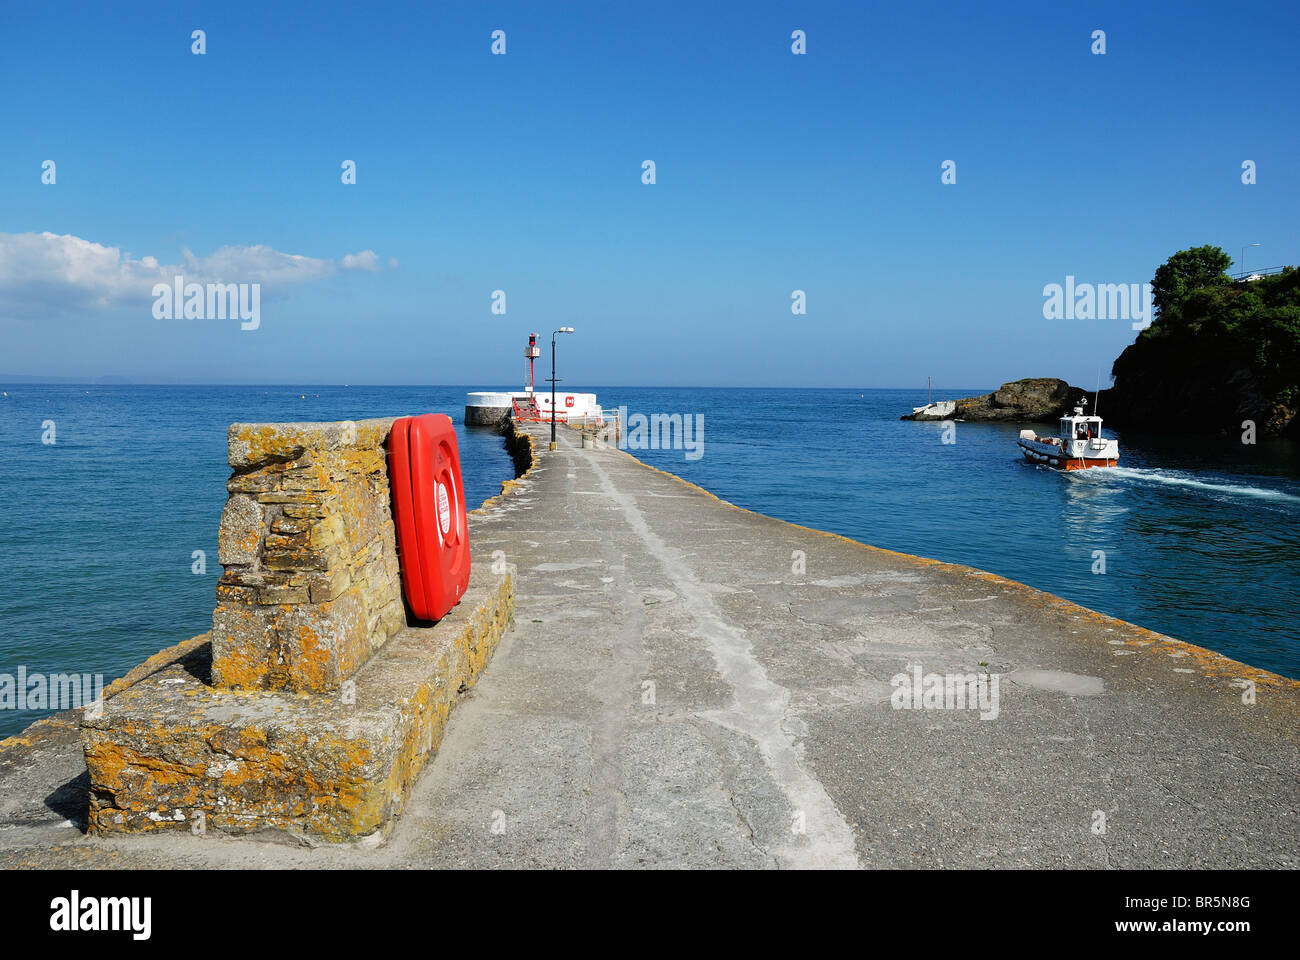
(933, 409)
(939, 410)
(1079, 446)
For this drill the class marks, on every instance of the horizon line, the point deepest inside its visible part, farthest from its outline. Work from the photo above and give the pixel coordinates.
(33, 381)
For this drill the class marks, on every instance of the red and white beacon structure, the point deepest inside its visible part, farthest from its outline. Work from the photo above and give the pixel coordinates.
(491, 407)
(531, 352)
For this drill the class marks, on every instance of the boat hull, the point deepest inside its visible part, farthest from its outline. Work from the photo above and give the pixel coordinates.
(1048, 456)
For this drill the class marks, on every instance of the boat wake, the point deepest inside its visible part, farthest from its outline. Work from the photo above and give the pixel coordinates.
(1175, 479)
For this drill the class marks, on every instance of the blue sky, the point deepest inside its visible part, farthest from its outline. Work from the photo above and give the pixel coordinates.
(522, 172)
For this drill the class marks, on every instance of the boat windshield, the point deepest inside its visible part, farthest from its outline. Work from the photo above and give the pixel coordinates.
(1080, 428)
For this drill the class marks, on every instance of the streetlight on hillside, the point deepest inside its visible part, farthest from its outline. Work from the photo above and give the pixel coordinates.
(553, 333)
(1243, 258)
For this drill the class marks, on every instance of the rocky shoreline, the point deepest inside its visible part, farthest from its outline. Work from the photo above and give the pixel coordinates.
(1032, 400)
(1225, 349)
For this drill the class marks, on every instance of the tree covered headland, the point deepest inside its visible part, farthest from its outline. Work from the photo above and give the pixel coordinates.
(1219, 351)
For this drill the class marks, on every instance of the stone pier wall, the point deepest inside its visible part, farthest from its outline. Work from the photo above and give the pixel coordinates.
(174, 753)
(311, 587)
(315, 705)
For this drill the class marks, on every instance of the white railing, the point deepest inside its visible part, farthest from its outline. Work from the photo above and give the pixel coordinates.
(607, 424)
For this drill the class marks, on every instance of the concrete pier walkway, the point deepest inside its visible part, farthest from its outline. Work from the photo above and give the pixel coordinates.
(689, 684)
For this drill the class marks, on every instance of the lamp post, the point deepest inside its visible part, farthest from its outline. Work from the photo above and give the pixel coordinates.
(1243, 258)
(553, 333)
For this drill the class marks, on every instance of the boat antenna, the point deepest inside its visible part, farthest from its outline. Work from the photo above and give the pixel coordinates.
(1096, 395)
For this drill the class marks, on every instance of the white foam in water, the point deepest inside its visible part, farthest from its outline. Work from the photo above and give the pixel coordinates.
(1172, 479)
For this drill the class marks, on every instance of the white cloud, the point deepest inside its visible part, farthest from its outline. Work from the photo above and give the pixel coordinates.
(365, 260)
(40, 272)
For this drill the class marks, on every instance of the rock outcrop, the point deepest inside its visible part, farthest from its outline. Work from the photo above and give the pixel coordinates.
(1229, 353)
(1033, 400)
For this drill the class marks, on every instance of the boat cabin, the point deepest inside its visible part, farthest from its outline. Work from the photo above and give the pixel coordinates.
(1080, 427)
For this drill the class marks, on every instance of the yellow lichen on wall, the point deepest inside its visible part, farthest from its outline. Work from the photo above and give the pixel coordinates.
(319, 590)
(157, 763)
